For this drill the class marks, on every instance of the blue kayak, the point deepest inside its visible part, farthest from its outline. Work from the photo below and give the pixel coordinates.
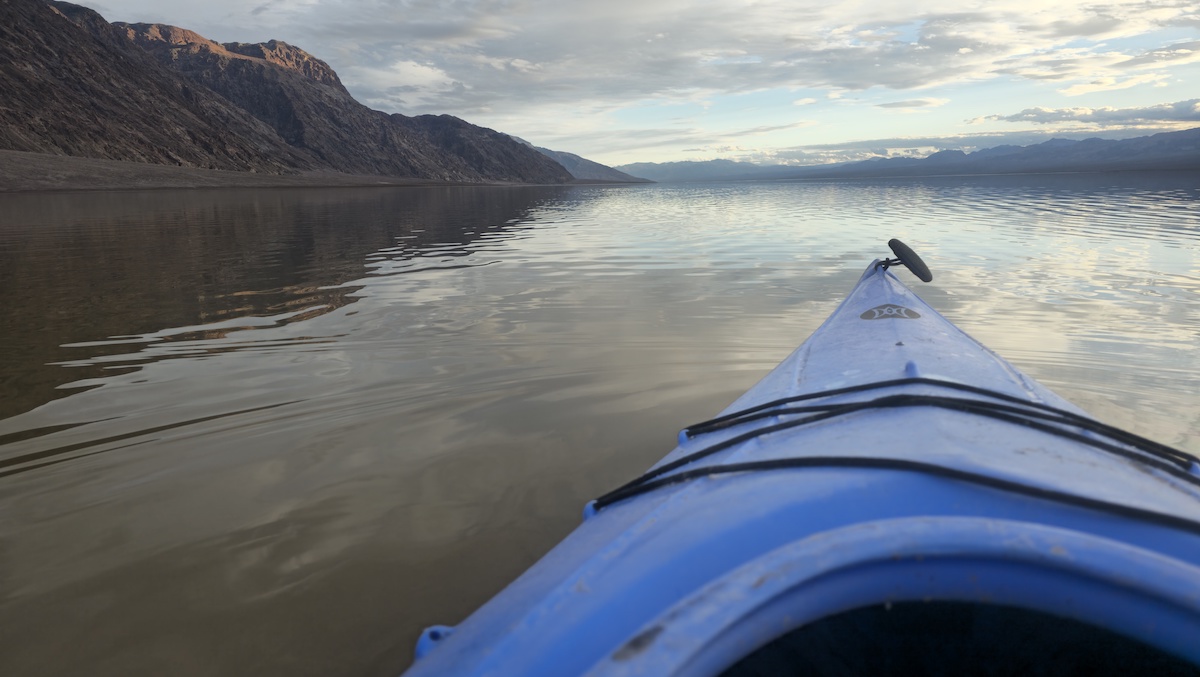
(893, 498)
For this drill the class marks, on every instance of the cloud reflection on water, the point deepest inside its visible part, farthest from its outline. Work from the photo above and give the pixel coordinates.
(393, 459)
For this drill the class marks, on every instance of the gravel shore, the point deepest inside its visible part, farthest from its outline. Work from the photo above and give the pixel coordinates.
(20, 171)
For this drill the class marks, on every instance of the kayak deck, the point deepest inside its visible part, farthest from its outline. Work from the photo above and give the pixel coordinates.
(755, 528)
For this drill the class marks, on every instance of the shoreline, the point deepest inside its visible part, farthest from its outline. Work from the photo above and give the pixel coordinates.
(27, 172)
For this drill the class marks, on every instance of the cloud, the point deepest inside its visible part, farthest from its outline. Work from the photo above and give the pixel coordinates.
(1108, 84)
(422, 82)
(916, 146)
(1091, 70)
(692, 139)
(767, 129)
(914, 103)
(1179, 111)
(720, 150)
(1176, 54)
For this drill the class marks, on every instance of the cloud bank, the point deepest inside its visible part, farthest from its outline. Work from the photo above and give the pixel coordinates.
(500, 55)
(550, 70)
(1180, 111)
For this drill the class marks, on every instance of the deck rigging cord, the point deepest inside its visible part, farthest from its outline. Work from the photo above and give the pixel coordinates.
(1001, 406)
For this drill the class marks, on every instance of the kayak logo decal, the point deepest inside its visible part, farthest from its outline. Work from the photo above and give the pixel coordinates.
(890, 311)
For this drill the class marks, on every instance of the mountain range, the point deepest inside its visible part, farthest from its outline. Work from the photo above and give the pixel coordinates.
(585, 169)
(76, 85)
(1164, 151)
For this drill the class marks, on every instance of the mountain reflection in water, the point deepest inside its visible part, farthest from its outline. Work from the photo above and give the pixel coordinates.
(79, 268)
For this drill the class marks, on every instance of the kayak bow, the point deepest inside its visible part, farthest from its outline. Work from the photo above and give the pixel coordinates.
(893, 498)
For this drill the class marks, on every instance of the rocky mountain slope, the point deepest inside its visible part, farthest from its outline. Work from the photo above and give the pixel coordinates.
(68, 91)
(77, 85)
(302, 99)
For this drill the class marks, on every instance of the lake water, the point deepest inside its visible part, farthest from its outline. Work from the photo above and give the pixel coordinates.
(277, 432)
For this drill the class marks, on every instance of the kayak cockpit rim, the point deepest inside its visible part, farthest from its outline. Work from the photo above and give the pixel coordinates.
(1116, 588)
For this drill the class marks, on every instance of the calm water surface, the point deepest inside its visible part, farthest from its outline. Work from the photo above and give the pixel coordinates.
(278, 432)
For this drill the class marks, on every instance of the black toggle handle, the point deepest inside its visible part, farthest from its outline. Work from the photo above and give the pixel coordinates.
(910, 260)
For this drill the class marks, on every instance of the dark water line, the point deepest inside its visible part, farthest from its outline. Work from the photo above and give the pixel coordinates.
(59, 451)
(22, 435)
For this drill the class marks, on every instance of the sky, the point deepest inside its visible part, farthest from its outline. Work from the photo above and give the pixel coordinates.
(767, 81)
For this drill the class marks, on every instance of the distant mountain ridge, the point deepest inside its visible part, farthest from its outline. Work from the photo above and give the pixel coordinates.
(77, 85)
(584, 169)
(691, 170)
(1166, 151)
